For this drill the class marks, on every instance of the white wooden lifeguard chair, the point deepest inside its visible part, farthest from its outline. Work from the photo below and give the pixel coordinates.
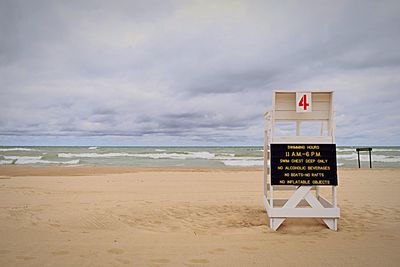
(307, 201)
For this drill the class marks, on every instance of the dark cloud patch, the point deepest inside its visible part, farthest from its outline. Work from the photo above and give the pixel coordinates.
(225, 82)
(104, 111)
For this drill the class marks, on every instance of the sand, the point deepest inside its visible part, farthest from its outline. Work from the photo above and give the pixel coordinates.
(60, 216)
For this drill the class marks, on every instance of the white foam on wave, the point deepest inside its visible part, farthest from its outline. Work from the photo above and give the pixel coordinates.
(34, 160)
(351, 156)
(70, 162)
(187, 155)
(382, 158)
(227, 159)
(2, 162)
(385, 149)
(92, 147)
(365, 157)
(243, 162)
(340, 150)
(345, 150)
(92, 155)
(160, 150)
(23, 159)
(228, 154)
(16, 149)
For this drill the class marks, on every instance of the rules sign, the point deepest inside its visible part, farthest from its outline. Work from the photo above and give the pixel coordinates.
(303, 164)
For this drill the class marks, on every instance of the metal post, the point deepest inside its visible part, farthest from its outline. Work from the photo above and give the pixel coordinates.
(370, 160)
(358, 153)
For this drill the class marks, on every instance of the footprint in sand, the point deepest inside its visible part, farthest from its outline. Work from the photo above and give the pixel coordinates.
(124, 261)
(174, 228)
(59, 252)
(388, 237)
(216, 251)
(249, 248)
(4, 251)
(25, 258)
(160, 260)
(117, 251)
(199, 261)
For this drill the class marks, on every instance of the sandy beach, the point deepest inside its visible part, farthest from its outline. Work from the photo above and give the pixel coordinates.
(100, 216)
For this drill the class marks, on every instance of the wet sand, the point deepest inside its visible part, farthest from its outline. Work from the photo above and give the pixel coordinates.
(107, 216)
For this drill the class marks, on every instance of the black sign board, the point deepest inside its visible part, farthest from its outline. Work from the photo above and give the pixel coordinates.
(303, 164)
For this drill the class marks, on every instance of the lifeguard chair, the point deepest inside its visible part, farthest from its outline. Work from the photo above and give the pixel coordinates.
(281, 171)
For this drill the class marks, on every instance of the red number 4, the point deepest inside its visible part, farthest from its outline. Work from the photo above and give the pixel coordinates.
(303, 102)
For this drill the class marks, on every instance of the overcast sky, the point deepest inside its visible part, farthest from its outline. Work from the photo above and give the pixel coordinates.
(192, 72)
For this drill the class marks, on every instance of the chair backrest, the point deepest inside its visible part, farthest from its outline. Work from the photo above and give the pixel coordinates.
(284, 110)
(284, 106)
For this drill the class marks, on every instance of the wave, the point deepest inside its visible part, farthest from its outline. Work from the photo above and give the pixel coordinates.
(375, 158)
(34, 160)
(382, 158)
(70, 162)
(186, 155)
(243, 162)
(2, 162)
(347, 156)
(92, 155)
(23, 159)
(160, 150)
(16, 149)
(92, 147)
(227, 159)
(339, 150)
(177, 156)
(386, 149)
(345, 150)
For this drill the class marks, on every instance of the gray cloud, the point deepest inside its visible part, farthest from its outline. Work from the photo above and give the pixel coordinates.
(192, 72)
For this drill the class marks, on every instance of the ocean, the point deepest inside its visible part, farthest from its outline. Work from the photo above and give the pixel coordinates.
(382, 157)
